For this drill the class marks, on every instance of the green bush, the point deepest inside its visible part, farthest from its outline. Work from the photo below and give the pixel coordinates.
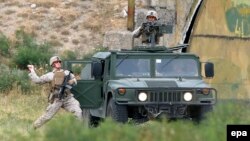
(12, 78)
(77, 69)
(4, 45)
(30, 52)
(22, 80)
(6, 79)
(69, 55)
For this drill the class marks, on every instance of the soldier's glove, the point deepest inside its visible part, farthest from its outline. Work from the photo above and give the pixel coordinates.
(72, 81)
(31, 68)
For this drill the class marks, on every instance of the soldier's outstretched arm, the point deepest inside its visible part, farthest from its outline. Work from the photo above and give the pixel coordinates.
(39, 80)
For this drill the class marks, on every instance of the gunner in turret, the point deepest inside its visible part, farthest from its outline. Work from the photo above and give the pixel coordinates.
(148, 31)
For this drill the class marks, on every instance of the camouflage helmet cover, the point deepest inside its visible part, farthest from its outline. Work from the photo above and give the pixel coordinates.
(152, 13)
(53, 59)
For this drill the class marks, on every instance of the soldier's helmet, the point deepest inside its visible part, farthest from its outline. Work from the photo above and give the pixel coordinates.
(54, 59)
(152, 13)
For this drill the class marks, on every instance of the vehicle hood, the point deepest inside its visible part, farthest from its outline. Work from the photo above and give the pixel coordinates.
(156, 83)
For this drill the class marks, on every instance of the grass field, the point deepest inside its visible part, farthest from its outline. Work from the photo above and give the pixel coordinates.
(18, 111)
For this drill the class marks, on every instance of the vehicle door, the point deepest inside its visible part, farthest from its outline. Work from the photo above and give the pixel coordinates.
(88, 90)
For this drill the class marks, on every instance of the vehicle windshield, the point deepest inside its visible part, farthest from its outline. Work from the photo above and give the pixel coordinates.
(169, 67)
(133, 67)
(176, 67)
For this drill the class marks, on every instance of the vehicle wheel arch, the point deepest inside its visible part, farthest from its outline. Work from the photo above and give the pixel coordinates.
(109, 96)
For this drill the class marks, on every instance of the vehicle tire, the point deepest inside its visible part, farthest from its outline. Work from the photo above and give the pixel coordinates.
(89, 120)
(198, 113)
(117, 112)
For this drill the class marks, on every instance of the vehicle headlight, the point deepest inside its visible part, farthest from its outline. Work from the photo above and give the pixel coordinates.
(188, 96)
(142, 96)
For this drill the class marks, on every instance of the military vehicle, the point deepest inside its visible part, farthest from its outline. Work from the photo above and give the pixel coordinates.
(143, 83)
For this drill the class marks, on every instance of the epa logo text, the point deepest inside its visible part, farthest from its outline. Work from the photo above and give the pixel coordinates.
(239, 133)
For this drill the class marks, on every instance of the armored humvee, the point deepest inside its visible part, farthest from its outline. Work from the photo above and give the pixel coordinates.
(142, 84)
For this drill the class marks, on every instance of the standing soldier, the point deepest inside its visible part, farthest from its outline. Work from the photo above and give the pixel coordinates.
(56, 79)
(146, 30)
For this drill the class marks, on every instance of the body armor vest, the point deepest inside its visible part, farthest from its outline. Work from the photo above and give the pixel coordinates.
(58, 79)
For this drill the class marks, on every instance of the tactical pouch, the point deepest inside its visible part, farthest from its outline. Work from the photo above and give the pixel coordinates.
(52, 96)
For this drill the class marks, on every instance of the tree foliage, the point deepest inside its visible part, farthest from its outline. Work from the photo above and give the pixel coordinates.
(29, 51)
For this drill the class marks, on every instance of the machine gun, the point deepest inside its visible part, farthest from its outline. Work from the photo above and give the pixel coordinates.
(64, 85)
(155, 29)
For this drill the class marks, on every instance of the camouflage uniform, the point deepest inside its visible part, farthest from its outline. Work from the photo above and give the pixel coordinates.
(69, 103)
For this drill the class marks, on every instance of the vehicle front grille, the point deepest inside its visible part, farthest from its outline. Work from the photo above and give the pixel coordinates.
(173, 96)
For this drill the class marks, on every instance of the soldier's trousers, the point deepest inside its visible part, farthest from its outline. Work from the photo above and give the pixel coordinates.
(69, 103)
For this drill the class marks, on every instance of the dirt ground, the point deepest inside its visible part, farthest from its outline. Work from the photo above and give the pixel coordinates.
(76, 25)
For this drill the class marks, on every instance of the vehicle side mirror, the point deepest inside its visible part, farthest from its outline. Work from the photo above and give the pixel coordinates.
(209, 69)
(96, 70)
